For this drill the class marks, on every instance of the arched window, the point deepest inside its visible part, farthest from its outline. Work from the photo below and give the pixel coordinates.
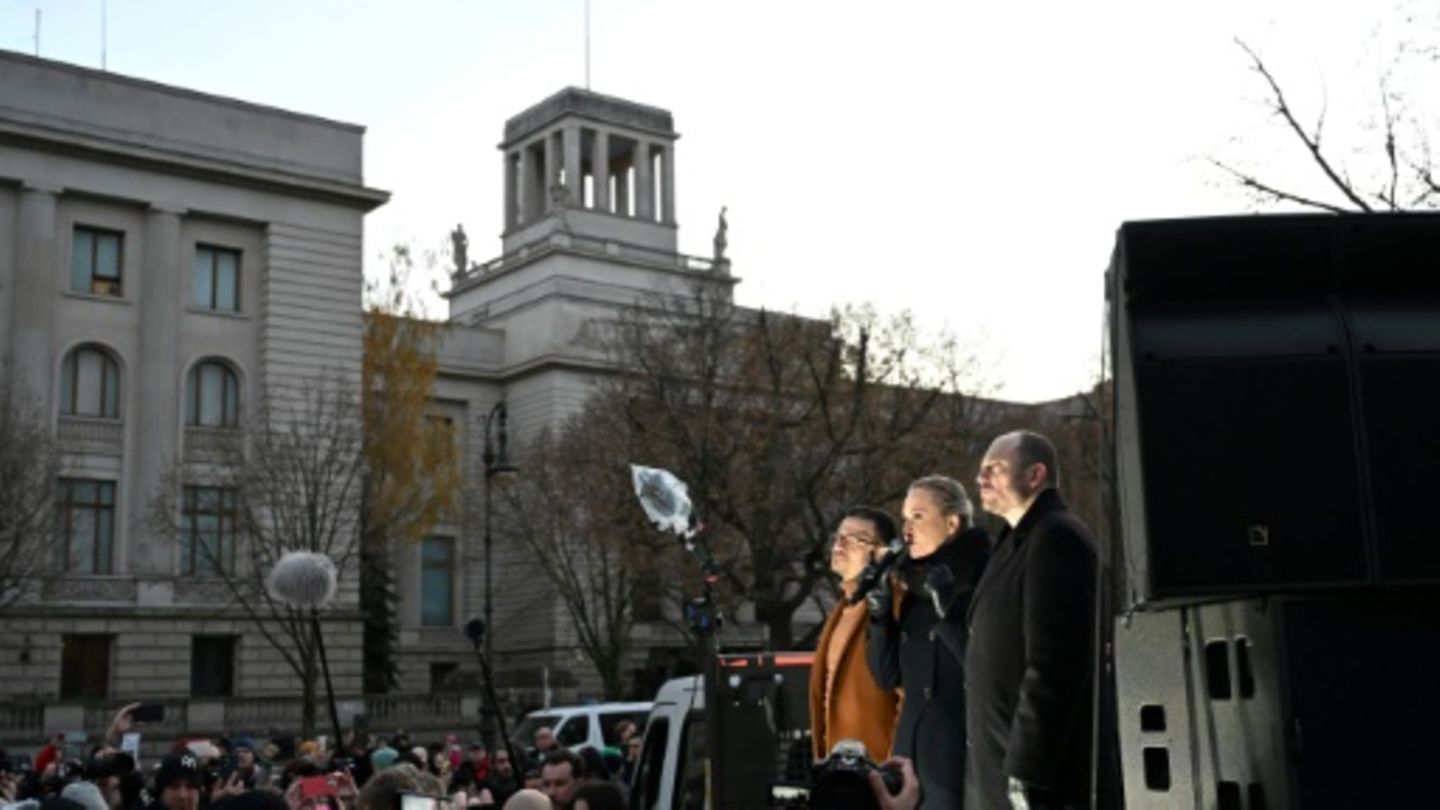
(90, 383)
(212, 395)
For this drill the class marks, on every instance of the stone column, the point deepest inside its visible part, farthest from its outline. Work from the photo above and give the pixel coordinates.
(622, 186)
(32, 294)
(574, 182)
(512, 191)
(548, 175)
(527, 188)
(600, 169)
(667, 184)
(156, 379)
(644, 182)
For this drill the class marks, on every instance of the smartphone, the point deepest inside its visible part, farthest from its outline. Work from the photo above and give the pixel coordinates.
(316, 787)
(148, 713)
(414, 801)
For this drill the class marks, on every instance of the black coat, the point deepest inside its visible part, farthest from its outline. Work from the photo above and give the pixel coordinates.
(911, 652)
(1030, 660)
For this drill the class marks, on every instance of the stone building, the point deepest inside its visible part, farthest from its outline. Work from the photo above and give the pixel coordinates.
(166, 259)
(590, 229)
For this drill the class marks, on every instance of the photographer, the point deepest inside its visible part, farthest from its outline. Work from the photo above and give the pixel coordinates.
(918, 633)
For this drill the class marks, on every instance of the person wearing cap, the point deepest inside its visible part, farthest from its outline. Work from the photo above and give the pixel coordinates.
(247, 766)
(178, 782)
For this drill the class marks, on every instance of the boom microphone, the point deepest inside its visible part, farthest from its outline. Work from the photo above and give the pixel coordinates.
(876, 570)
(303, 579)
(475, 631)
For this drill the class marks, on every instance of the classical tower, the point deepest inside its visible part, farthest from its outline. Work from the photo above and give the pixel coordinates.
(591, 165)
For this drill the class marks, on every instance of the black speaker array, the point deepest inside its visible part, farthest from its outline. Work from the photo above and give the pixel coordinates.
(1278, 402)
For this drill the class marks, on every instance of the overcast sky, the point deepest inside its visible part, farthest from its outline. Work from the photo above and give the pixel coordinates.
(968, 161)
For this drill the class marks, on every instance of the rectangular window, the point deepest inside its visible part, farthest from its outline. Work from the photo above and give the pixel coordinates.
(86, 526)
(84, 667)
(212, 666)
(439, 672)
(207, 531)
(215, 279)
(437, 582)
(96, 259)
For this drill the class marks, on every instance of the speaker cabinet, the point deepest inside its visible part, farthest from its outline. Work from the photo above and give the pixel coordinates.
(759, 727)
(1288, 702)
(1275, 384)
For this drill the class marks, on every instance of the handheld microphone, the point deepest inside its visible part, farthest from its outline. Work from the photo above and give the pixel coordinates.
(876, 571)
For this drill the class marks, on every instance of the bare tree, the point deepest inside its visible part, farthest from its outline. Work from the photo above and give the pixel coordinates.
(294, 484)
(29, 473)
(776, 422)
(580, 533)
(1393, 167)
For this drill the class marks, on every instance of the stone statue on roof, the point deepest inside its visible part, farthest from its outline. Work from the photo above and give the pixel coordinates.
(720, 241)
(459, 248)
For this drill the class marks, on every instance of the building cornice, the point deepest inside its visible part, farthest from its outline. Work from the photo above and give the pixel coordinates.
(45, 139)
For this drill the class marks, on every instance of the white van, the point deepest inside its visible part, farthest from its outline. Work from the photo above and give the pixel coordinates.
(674, 766)
(577, 727)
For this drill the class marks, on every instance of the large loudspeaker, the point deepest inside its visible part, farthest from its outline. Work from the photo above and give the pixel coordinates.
(1275, 384)
(1288, 702)
(759, 714)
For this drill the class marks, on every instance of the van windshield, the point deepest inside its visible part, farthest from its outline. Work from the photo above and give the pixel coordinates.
(525, 732)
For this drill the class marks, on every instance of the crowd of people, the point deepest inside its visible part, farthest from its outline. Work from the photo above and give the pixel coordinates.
(969, 664)
(371, 773)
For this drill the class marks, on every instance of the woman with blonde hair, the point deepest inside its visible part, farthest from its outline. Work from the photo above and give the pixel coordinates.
(917, 632)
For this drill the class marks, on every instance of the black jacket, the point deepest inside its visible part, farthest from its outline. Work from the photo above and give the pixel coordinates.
(1030, 661)
(910, 652)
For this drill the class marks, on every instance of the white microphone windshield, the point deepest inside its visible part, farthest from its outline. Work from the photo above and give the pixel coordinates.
(303, 579)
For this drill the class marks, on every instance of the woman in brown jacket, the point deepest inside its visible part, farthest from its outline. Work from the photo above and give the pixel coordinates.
(845, 702)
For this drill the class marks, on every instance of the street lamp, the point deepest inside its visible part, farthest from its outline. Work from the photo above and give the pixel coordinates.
(497, 467)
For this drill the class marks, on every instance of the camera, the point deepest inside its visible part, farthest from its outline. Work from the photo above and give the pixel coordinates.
(841, 780)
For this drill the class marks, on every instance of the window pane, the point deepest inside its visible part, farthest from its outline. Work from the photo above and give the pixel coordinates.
(192, 397)
(232, 399)
(227, 281)
(575, 731)
(110, 407)
(82, 540)
(212, 666)
(436, 582)
(202, 278)
(67, 384)
(90, 371)
(107, 256)
(104, 524)
(82, 245)
(106, 491)
(85, 667)
(212, 381)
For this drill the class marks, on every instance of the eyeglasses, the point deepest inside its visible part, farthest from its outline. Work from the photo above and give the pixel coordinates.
(853, 540)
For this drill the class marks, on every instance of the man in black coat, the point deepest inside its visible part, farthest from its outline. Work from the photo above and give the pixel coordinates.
(1029, 665)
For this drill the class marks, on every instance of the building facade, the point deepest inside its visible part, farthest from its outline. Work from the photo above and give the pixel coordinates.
(590, 229)
(168, 260)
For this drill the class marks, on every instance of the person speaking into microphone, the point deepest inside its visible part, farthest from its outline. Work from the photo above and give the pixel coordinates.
(917, 632)
(845, 701)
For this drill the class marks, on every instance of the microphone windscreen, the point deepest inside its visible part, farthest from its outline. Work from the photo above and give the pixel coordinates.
(475, 630)
(303, 579)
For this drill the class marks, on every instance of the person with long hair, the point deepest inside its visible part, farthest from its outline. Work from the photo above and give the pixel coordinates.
(918, 633)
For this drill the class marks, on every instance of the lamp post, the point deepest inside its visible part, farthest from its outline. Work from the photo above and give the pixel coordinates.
(497, 466)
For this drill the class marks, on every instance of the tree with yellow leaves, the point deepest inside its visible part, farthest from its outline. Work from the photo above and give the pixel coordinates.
(412, 472)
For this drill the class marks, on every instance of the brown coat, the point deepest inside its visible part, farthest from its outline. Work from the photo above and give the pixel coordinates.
(858, 708)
